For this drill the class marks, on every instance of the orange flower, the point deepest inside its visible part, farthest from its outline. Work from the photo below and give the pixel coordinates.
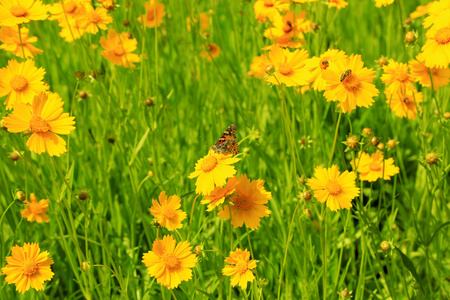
(167, 211)
(218, 195)
(396, 76)
(267, 9)
(155, 13)
(108, 4)
(212, 51)
(371, 167)
(36, 211)
(317, 65)
(170, 263)
(45, 118)
(10, 38)
(15, 12)
(239, 268)
(248, 203)
(118, 50)
(420, 73)
(90, 19)
(28, 267)
(286, 27)
(404, 105)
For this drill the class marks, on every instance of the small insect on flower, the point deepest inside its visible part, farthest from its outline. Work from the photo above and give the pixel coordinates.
(345, 74)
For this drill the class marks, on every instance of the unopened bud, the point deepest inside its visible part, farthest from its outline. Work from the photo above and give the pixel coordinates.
(111, 139)
(384, 246)
(345, 293)
(392, 144)
(407, 21)
(410, 37)
(129, 35)
(382, 61)
(198, 250)
(155, 223)
(82, 94)
(447, 115)
(314, 26)
(21, 196)
(83, 195)
(85, 266)
(150, 173)
(380, 146)
(375, 141)
(79, 75)
(432, 158)
(308, 212)
(14, 156)
(149, 102)
(126, 23)
(352, 142)
(307, 195)
(269, 69)
(367, 131)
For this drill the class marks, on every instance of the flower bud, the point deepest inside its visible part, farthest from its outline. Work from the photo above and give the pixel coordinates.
(382, 61)
(126, 23)
(80, 75)
(198, 250)
(150, 173)
(308, 212)
(302, 180)
(149, 102)
(83, 195)
(345, 293)
(410, 37)
(367, 132)
(380, 146)
(314, 26)
(432, 158)
(306, 195)
(14, 156)
(82, 94)
(111, 139)
(352, 142)
(375, 141)
(85, 266)
(407, 21)
(246, 151)
(21, 196)
(269, 69)
(447, 115)
(384, 246)
(392, 144)
(155, 223)
(129, 35)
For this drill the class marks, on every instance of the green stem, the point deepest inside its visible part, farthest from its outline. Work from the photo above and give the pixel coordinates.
(21, 43)
(335, 138)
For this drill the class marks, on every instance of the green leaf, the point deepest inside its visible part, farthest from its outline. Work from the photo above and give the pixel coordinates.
(410, 266)
(139, 146)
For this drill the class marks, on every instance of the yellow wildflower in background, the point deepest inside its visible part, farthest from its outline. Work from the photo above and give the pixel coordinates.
(404, 105)
(370, 167)
(154, 14)
(249, 201)
(167, 211)
(350, 83)
(204, 22)
(380, 3)
(436, 50)
(169, 263)
(336, 189)
(28, 267)
(257, 67)
(420, 73)
(90, 19)
(213, 170)
(218, 195)
(435, 9)
(65, 14)
(239, 268)
(118, 50)
(316, 66)
(267, 9)
(337, 3)
(21, 82)
(287, 27)
(10, 38)
(45, 119)
(396, 77)
(15, 12)
(289, 67)
(420, 11)
(210, 51)
(36, 211)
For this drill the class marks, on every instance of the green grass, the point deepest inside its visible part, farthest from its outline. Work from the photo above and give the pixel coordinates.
(195, 98)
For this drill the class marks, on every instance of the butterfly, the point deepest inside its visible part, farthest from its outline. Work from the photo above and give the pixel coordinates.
(227, 143)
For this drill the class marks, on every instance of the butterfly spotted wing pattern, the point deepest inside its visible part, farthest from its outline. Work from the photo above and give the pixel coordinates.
(227, 143)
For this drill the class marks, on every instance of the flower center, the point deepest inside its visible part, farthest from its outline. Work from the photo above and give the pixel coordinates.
(333, 187)
(402, 76)
(351, 82)
(70, 7)
(94, 18)
(241, 267)
(168, 213)
(209, 164)
(37, 124)
(324, 63)
(285, 70)
(18, 11)
(171, 261)
(442, 36)
(268, 3)
(375, 166)
(405, 99)
(287, 27)
(29, 267)
(151, 15)
(118, 50)
(19, 83)
(243, 202)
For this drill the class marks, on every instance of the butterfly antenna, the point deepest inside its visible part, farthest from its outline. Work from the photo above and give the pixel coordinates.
(203, 139)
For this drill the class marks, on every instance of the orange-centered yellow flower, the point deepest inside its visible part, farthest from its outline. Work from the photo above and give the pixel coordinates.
(21, 82)
(239, 268)
(420, 11)
(118, 50)
(10, 38)
(380, 3)
(336, 189)
(288, 67)
(213, 170)
(90, 19)
(436, 50)
(350, 83)
(167, 211)
(28, 267)
(396, 77)
(249, 201)
(218, 195)
(210, 51)
(36, 211)
(372, 167)
(287, 27)
(45, 119)
(154, 14)
(421, 74)
(267, 9)
(337, 3)
(15, 12)
(404, 105)
(317, 65)
(170, 263)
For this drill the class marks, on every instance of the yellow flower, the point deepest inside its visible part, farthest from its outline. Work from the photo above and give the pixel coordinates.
(404, 105)
(170, 263)
(267, 9)
(317, 65)
(304, 1)
(167, 211)
(28, 267)
(213, 170)
(21, 82)
(239, 268)
(396, 76)
(435, 9)
(370, 167)
(336, 189)
(436, 50)
(420, 73)
(118, 50)
(108, 4)
(380, 3)
(337, 3)
(15, 12)
(257, 67)
(218, 195)
(204, 22)
(71, 7)
(289, 67)
(249, 199)
(286, 43)
(10, 38)
(90, 19)
(45, 119)
(36, 211)
(286, 27)
(350, 83)
(155, 13)
(420, 11)
(212, 49)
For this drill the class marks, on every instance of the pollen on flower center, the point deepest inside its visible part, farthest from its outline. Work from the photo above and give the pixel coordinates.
(402, 75)
(168, 213)
(171, 261)
(244, 203)
(209, 164)
(29, 267)
(405, 99)
(287, 27)
(333, 187)
(118, 50)
(37, 124)
(285, 70)
(241, 267)
(94, 18)
(18, 11)
(351, 82)
(442, 36)
(374, 166)
(268, 3)
(19, 83)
